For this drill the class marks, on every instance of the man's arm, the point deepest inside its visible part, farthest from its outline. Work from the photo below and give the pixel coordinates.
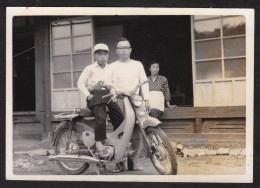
(145, 87)
(85, 75)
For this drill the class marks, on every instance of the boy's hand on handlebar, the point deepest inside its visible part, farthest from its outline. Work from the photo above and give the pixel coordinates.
(147, 106)
(90, 97)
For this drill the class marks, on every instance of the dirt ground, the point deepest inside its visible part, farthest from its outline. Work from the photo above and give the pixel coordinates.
(203, 165)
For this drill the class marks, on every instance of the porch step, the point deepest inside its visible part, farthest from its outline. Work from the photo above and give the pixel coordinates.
(32, 131)
(25, 117)
(27, 126)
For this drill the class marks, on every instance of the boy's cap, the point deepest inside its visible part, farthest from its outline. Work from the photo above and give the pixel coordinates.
(100, 46)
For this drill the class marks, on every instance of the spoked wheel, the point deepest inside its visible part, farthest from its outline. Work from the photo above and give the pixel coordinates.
(163, 156)
(66, 140)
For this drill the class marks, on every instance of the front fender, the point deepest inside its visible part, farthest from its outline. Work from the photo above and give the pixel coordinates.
(151, 122)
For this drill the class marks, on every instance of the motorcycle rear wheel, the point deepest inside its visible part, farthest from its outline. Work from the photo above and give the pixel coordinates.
(163, 156)
(72, 168)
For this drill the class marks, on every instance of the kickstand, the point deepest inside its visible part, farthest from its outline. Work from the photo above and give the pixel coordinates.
(98, 168)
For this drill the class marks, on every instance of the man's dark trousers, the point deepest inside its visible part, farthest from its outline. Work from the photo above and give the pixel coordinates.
(98, 107)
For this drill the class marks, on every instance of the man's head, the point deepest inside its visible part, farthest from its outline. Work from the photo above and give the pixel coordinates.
(123, 49)
(101, 54)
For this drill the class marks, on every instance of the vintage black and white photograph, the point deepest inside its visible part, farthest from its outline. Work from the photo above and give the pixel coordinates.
(130, 94)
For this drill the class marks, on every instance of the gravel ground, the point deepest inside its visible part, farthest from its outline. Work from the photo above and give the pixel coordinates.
(199, 165)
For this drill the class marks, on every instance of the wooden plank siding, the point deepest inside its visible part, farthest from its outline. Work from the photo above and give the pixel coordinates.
(205, 125)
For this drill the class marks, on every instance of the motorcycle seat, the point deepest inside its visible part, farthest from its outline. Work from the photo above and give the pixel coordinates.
(86, 112)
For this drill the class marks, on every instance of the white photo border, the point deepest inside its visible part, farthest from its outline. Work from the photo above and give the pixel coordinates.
(79, 11)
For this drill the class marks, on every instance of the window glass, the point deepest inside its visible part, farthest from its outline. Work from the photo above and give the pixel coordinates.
(61, 47)
(234, 46)
(61, 31)
(208, 70)
(235, 68)
(61, 80)
(76, 76)
(207, 29)
(61, 64)
(82, 44)
(81, 29)
(207, 49)
(234, 26)
(80, 61)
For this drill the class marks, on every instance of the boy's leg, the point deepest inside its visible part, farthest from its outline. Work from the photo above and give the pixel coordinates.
(115, 114)
(100, 117)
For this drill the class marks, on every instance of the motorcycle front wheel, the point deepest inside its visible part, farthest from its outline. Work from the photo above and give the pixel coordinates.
(60, 148)
(163, 156)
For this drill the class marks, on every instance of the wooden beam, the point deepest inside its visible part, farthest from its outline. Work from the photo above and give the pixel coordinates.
(179, 113)
(198, 126)
(204, 112)
(47, 89)
(220, 112)
(42, 72)
(39, 74)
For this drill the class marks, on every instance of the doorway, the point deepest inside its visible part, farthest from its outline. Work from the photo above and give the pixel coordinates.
(23, 65)
(166, 39)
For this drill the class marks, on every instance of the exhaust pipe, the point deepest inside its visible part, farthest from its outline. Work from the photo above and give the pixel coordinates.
(74, 158)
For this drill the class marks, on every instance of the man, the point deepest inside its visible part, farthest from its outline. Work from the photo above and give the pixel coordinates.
(94, 82)
(127, 73)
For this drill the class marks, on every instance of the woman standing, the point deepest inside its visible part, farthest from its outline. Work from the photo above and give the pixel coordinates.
(159, 91)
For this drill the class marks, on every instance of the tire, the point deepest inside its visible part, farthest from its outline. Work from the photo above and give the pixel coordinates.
(81, 167)
(162, 152)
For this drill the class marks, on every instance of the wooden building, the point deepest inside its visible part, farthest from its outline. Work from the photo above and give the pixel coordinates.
(203, 58)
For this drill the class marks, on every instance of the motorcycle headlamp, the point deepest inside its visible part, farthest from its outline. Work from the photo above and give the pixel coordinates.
(137, 100)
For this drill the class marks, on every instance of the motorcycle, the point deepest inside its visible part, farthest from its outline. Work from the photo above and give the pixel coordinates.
(74, 140)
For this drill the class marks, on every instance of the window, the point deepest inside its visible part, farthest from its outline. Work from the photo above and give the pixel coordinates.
(219, 57)
(219, 38)
(72, 43)
(71, 52)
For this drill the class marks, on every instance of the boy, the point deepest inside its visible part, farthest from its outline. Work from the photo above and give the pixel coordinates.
(95, 81)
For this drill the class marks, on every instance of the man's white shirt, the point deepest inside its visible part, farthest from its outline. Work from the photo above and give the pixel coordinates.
(127, 75)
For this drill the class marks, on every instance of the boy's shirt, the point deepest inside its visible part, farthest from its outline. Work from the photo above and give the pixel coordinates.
(91, 75)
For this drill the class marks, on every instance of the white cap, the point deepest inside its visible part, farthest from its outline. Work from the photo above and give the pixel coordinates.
(100, 46)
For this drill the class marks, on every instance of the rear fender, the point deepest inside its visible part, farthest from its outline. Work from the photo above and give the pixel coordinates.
(79, 126)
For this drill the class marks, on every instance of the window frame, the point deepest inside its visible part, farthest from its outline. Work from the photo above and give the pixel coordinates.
(222, 58)
(213, 81)
(88, 19)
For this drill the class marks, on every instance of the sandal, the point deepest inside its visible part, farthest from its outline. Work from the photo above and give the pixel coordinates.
(105, 152)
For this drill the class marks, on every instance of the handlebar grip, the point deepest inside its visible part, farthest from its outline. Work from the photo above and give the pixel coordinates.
(108, 95)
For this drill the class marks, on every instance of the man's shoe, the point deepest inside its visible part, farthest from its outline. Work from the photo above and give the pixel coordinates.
(119, 167)
(130, 165)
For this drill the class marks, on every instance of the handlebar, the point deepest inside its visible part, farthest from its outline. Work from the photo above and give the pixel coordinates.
(108, 95)
(131, 92)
